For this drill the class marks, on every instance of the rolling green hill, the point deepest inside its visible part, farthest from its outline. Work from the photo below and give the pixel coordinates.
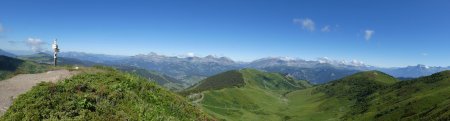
(161, 79)
(425, 98)
(336, 99)
(223, 80)
(11, 66)
(245, 94)
(359, 85)
(370, 95)
(102, 94)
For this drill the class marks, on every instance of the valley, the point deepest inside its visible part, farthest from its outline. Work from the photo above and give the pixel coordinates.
(361, 96)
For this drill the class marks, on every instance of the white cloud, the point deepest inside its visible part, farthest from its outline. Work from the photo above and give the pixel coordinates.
(326, 28)
(368, 34)
(306, 23)
(190, 54)
(35, 44)
(341, 62)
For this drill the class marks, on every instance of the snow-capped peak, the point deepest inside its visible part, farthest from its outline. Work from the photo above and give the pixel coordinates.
(423, 66)
(286, 58)
(341, 62)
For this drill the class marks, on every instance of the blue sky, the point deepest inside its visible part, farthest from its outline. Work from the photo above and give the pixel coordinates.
(382, 33)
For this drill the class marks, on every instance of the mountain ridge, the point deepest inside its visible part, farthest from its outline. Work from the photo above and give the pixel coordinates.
(192, 69)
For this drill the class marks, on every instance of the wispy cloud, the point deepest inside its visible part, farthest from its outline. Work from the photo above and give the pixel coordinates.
(35, 44)
(368, 34)
(424, 54)
(14, 42)
(326, 28)
(306, 23)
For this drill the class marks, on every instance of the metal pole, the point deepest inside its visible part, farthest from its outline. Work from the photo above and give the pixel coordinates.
(55, 59)
(56, 50)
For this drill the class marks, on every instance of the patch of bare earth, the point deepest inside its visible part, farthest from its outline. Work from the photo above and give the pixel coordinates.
(13, 87)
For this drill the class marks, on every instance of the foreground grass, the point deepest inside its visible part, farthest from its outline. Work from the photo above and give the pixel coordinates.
(250, 104)
(100, 94)
(308, 105)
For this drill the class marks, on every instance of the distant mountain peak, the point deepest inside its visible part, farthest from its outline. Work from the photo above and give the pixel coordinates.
(286, 58)
(153, 54)
(422, 66)
(5, 53)
(211, 56)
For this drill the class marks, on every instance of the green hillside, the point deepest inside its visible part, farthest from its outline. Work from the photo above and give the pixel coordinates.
(358, 85)
(223, 80)
(11, 66)
(161, 79)
(101, 94)
(310, 105)
(425, 98)
(253, 95)
(336, 99)
(370, 95)
(374, 95)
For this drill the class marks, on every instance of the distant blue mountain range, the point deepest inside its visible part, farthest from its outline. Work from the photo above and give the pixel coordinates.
(192, 69)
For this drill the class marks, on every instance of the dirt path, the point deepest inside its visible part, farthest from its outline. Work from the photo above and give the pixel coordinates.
(198, 99)
(11, 88)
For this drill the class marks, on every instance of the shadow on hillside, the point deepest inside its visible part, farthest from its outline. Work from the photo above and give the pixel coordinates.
(9, 64)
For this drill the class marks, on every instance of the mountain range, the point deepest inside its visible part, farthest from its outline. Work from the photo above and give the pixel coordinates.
(191, 69)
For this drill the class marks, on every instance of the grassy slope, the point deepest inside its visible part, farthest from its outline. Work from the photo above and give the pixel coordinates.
(12, 66)
(161, 79)
(377, 97)
(309, 105)
(426, 98)
(223, 80)
(266, 97)
(335, 99)
(105, 94)
(358, 85)
(261, 98)
(370, 95)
